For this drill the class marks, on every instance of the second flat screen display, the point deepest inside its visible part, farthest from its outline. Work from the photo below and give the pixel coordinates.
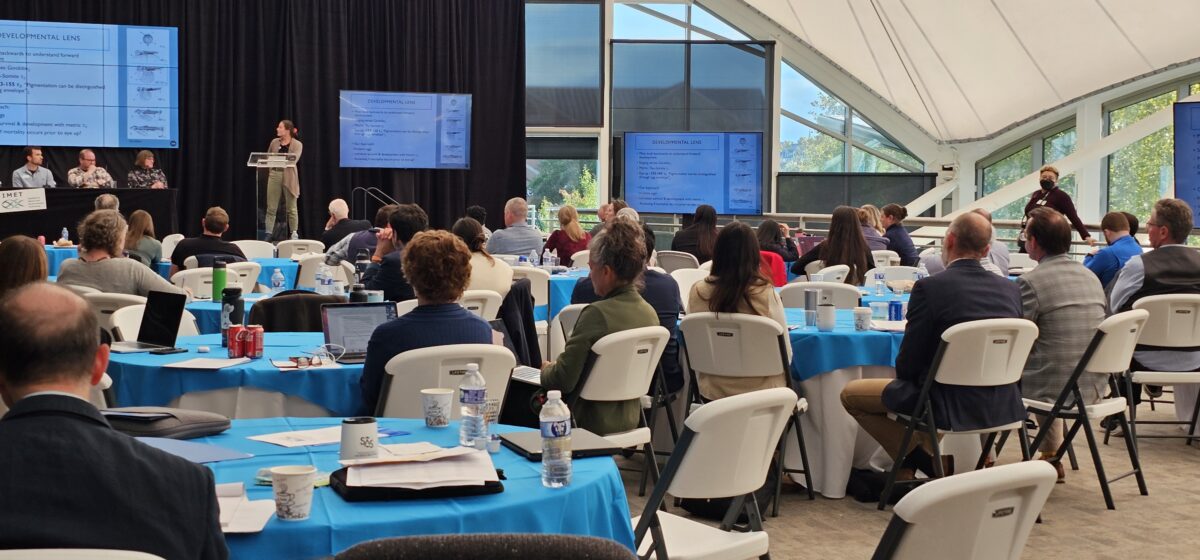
(405, 130)
(675, 172)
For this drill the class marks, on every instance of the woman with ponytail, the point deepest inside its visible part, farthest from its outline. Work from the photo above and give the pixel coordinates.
(284, 183)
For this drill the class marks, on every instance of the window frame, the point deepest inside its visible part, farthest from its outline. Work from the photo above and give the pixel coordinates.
(1182, 89)
(602, 65)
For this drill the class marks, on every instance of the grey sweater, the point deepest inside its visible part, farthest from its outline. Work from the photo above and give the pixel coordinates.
(117, 276)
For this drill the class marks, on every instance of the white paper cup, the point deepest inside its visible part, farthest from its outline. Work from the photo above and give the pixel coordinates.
(862, 318)
(359, 438)
(826, 317)
(435, 404)
(293, 487)
(879, 310)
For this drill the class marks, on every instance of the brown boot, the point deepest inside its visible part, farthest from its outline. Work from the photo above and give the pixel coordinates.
(1058, 467)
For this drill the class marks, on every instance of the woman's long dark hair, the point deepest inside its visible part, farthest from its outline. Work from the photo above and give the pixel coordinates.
(471, 232)
(846, 244)
(769, 234)
(735, 270)
(705, 222)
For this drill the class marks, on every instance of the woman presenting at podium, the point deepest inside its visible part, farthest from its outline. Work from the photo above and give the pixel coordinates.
(285, 182)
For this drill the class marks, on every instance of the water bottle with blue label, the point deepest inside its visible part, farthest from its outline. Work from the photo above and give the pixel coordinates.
(277, 281)
(472, 397)
(922, 272)
(555, 421)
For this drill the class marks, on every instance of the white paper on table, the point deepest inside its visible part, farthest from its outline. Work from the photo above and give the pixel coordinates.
(288, 365)
(418, 452)
(208, 363)
(888, 326)
(300, 438)
(473, 468)
(239, 515)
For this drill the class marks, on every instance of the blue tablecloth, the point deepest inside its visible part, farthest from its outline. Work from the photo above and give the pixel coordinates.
(594, 504)
(814, 352)
(288, 267)
(208, 312)
(56, 255)
(140, 379)
(561, 286)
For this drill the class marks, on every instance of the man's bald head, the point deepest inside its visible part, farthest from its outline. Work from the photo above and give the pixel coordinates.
(986, 215)
(50, 336)
(969, 237)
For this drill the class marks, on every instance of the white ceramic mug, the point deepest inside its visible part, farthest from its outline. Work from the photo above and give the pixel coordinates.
(359, 438)
(293, 486)
(435, 404)
(826, 317)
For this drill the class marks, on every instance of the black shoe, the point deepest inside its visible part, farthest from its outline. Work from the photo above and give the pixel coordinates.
(1155, 391)
(1110, 423)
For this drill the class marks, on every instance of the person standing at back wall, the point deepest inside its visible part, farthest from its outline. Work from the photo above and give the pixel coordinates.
(284, 183)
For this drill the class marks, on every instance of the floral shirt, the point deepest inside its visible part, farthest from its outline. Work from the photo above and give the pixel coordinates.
(95, 178)
(141, 178)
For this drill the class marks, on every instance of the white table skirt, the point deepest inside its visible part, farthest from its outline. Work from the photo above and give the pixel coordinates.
(249, 402)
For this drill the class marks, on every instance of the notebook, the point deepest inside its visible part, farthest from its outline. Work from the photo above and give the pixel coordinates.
(526, 374)
(350, 325)
(583, 444)
(160, 323)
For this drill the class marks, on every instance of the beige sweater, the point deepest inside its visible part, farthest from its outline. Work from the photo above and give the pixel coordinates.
(766, 304)
(495, 275)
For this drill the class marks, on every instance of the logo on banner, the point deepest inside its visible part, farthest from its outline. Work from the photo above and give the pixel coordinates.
(23, 200)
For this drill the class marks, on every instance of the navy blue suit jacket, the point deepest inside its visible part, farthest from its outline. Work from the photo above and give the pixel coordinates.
(388, 276)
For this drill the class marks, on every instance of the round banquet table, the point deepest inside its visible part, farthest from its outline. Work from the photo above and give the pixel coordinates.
(561, 286)
(208, 312)
(56, 255)
(288, 267)
(255, 389)
(594, 504)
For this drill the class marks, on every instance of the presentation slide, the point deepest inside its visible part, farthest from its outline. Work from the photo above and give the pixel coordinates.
(86, 85)
(1187, 157)
(405, 130)
(676, 172)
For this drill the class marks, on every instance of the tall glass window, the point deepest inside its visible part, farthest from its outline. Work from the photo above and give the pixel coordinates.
(562, 64)
(1142, 172)
(560, 171)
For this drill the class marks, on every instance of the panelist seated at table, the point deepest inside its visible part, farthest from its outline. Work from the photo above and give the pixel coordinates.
(349, 247)
(661, 291)
(144, 175)
(70, 480)
(439, 267)
(385, 271)
(616, 260)
(737, 285)
(487, 272)
(964, 292)
(89, 175)
(214, 225)
(101, 264)
(32, 175)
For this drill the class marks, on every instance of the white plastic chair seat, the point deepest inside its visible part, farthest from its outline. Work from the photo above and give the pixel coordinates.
(690, 540)
(1165, 377)
(1001, 428)
(633, 438)
(1101, 409)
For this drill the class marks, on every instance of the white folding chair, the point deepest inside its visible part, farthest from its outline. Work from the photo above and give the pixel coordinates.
(405, 306)
(80, 290)
(198, 280)
(706, 265)
(292, 247)
(443, 367)
(579, 259)
(930, 251)
(127, 323)
(75, 554)
(190, 263)
(247, 273)
(743, 345)
(814, 267)
(306, 277)
(254, 249)
(686, 278)
(984, 353)
(671, 261)
(835, 273)
(891, 273)
(1174, 323)
(561, 327)
(842, 295)
(983, 515)
(724, 451)
(346, 271)
(539, 286)
(484, 303)
(168, 244)
(105, 304)
(883, 257)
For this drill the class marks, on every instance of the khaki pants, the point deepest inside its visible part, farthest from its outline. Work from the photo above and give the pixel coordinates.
(862, 398)
(275, 190)
(1054, 436)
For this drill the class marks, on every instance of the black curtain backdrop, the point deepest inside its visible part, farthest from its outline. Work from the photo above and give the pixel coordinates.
(246, 64)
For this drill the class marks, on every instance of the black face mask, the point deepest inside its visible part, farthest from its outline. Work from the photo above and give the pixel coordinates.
(1046, 184)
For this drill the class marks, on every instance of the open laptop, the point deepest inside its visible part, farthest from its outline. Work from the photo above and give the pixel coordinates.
(350, 325)
(160, 324)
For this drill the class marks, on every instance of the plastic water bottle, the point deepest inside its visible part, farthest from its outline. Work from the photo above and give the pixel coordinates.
(556, 441)
(533, 258)
(324, 280)
(472, 397)
(880, 285)
(66, 236)
(554, 257)
(922, 272)
(277, 281)
(295, 235)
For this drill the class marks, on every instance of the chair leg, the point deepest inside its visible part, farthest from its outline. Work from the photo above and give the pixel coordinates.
(1095, 449)
(808, 481)
(891, 478)
(1134, 459)
(649, 469)
(671, 420)
(1195, 417)
(781, 452)
(987, 449)
(1026, 454)
(1071, 455)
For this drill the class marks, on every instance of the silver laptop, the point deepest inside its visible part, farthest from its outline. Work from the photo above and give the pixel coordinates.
(350, 326)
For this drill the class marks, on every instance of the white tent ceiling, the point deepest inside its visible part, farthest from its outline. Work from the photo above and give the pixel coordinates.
(968, 69)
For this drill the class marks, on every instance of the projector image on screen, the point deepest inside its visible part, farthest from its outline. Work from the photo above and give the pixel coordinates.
(676, 172)
(405, 130)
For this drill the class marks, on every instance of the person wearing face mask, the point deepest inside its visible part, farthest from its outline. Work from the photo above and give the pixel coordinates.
(1051, 196)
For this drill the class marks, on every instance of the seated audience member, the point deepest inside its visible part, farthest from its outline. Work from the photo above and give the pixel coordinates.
(101, 264)
(32, 175)
(603, 214)
(892, 219)
(140, 243)
(964, 292)
(845, 244)
(479, 214)
(340, 225)
(617, 259)
(487, 272)
(698, 238)
(1133, 223)
(22, 261)
(1106, 262)
(1067, 303)
(107, 201)
(1171, 268)
(662, 293)
(517, 237)
(351, 246)
(875, 241)
(144, 175)
(385, 271)
(737, 285)
(70, 480)
(89, 175)
(777, 238)
(630, 213)
(439, 267)
(569, 238)
(996, 261)
(214, 225)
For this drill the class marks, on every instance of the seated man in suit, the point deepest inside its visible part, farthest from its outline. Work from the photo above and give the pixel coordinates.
(215, 223)
(384, 272)
(340, 225)
(68, 480)
(964, 292)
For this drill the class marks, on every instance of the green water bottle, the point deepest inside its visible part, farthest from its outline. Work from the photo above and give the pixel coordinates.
(218, 282)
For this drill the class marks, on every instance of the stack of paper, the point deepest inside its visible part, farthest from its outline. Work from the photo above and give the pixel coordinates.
(208, 363)
(320, 436)
(239, 515)
(888, 326)
(459, 466)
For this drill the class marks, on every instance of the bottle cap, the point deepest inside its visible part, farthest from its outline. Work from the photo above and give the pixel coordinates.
(554, 395)
(472, 367)
(234, 291)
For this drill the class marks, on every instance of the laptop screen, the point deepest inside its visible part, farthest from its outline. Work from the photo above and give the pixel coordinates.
(350, 325)
(160, 320)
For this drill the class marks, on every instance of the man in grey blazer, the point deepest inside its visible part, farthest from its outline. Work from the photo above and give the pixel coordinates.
(1066, 301)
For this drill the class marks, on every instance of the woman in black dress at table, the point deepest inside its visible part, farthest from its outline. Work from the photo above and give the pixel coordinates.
(144, 175)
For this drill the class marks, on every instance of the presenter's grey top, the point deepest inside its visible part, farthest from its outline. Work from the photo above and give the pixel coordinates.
(517, 239)
(23, 178)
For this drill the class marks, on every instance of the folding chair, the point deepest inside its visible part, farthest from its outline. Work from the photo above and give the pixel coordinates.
(883, 257)
(1174, 324)
(671, 261)
(844, 295)
(835, 273)
(127, 323)
(484, 303)
(686, 278)
(105, 304)
(444, 367)
(254, 249)
(292, 247)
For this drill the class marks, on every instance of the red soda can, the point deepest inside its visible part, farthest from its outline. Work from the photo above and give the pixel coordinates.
(237, 341)
(254, 341)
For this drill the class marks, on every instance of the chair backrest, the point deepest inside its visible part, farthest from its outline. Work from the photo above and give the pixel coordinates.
(105, 304)
(405, 306)
(625, 364)
(247, 274)
(306, 277)
(734, 344)
(686, 278)
(844, 295)
(293, 311)
(484, 303)
(539, 282)
(930, 251)
(561, 327)
(75, 554)
(190, 263)
(883, 257)
(198, 280)
(891, 273)
(579, 259)
(291, 247)
(127, 323)
(508, 546)
(80, 290)
(815, 267)
(255, 249)
(207, 260)
(1020, 260)
(168, 244)
(1119, 337)
(835, 273)
(984, 353)
(347, 272)
(1174, 320)
(671, 261)
(984, 515)
(732, 441)
(444, 367)
(706, 266)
